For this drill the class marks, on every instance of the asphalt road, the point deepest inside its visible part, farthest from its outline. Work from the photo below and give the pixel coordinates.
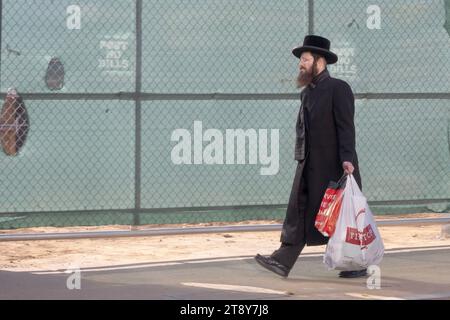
(413, 273)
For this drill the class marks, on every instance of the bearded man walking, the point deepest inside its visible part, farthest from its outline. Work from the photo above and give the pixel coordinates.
(324, 149)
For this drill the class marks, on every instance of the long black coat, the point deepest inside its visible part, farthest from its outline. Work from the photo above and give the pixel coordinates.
(330, 142)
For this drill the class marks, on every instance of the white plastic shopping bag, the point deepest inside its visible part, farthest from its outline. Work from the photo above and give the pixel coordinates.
(356, 243)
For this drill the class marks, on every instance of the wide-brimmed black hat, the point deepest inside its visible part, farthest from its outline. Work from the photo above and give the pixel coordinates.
(318, 45)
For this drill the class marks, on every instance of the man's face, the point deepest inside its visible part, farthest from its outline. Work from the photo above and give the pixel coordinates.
(306, 68)
(306, 62)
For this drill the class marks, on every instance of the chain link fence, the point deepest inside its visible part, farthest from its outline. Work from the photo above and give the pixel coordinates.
(163, 112)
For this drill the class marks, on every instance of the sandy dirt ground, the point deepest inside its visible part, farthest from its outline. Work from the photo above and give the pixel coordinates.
(86, 253)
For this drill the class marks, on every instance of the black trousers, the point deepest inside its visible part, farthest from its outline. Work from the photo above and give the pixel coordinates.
(288, 253)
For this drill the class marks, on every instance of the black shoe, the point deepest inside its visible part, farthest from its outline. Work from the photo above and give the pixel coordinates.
(272, 265)
(353, 274)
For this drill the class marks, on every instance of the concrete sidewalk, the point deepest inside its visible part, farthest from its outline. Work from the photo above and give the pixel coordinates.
(420, 273)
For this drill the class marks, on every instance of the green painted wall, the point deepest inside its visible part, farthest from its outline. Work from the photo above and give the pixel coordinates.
(80, 154)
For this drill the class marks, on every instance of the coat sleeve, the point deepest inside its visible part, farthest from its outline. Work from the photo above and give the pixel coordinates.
(344, 112)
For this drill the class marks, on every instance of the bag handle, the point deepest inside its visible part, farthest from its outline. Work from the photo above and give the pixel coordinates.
(342, 179)
(352, 181)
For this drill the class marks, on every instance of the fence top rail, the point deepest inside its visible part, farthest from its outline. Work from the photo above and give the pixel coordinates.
(194, 230)
(221, 96)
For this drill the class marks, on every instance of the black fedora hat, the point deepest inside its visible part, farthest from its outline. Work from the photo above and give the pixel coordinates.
(318, 45)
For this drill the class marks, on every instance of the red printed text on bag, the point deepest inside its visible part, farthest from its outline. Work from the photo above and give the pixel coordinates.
(364, 238)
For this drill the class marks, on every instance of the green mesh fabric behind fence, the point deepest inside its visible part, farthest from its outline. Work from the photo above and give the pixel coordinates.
(109, 86)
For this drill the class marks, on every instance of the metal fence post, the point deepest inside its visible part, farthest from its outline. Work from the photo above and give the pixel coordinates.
(1, 31)
(310, 16)
(138, 119)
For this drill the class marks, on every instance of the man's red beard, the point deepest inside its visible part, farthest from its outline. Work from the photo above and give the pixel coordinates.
(305, 77)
